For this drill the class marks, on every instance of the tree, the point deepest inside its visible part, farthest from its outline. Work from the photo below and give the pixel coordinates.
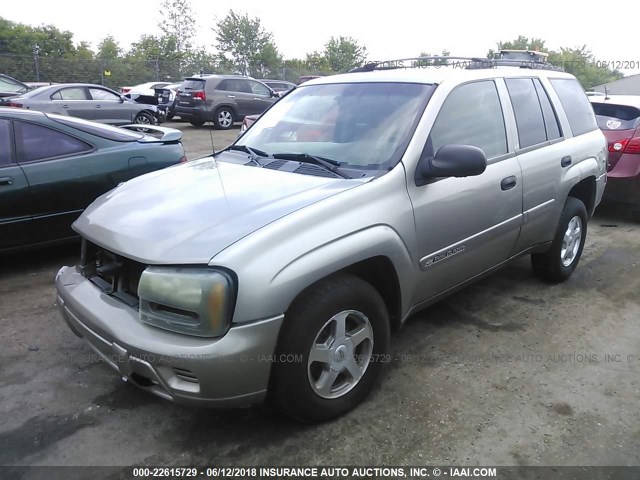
(177, 20)
(247, 43)
(108, 48)
(581, 63)
(343, 53)
(520, 43)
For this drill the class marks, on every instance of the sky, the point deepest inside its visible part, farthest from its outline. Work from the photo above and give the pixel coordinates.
(390, 29)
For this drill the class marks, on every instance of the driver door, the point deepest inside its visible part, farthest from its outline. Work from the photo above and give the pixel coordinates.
(467, 225)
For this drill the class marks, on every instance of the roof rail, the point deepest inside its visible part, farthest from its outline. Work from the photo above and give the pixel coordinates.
(469, 63)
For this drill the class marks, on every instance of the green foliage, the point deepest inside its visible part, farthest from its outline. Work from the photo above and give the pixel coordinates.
(177, 20)
(247, 45)
(581, 63)
(344, 53)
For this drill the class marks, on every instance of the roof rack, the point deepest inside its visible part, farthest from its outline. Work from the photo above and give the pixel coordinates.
(468, 63)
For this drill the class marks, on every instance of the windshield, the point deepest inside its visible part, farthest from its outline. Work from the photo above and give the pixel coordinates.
(358, 125)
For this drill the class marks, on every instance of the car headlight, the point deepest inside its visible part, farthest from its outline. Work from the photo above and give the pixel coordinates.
(195, 301)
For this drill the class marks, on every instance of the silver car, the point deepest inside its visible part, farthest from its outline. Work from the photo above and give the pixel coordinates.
(91, 102)
(277, 268)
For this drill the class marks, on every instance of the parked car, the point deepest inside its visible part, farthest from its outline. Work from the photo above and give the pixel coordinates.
(279, 86)
(91, 102)
(166, 97)
(222, 99)
(147, 89)
(618, 117)
(247, 122)
(306, 78)
(276, 269)
(59, 165)
(10, 87)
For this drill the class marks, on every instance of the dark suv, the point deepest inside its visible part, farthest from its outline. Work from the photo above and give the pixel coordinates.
(222, 99)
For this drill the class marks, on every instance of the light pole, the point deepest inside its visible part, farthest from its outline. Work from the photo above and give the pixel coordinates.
(36, 58)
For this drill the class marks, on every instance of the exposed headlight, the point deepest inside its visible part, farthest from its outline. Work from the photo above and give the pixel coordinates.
(195, 301)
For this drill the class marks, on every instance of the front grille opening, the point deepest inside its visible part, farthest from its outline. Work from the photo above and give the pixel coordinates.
(186, 375)
(114, 274)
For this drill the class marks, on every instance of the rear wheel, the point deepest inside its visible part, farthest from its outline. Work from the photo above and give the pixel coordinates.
(224, 118)
(144, 118)
(557, 264)
(333, 341)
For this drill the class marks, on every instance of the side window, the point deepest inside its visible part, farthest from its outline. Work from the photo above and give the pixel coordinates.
(549, 114)
(259, 89)
(242, 86)
(73, 93)
(471, 115)
(575, 104)
(5, 142)
(100, 94)
(35, 142)
(528, 112)
(225, 86)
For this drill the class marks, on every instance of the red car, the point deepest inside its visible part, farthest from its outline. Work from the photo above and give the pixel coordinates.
(619, 118)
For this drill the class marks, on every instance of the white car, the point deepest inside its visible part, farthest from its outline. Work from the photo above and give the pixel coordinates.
(144, 88)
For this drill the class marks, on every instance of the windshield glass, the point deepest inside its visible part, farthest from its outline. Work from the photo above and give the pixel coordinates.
(359, 125)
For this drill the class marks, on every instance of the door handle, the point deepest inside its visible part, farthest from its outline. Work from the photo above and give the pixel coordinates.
(6, 181)
(508, 183)
(566, 161)
(231, 96)
(256, 98)
(98, 106)
(65, 106)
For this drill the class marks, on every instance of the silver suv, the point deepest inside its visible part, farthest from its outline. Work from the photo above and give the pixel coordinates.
(275, 269)
(222, 99)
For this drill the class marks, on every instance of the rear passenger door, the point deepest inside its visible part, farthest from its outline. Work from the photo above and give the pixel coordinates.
(541, 154)
(238, 92)
(15, 197)
(467, 225)
(74, 101)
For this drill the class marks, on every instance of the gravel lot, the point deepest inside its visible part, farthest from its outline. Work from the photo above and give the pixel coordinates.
(507, 372)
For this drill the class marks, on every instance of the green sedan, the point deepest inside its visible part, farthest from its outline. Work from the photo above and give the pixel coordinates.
(52, 167)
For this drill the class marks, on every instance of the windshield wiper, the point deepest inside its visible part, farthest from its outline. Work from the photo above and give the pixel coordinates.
(331, 165)
(254, 153)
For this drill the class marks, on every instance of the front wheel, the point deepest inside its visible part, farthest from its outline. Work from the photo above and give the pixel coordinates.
(197, 123)
(334, 340)
(557, 264)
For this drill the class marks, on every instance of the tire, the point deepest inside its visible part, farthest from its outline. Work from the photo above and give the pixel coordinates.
(557, 264)
(309, 390)
(197, 123)
(144, 118)
(224, 118)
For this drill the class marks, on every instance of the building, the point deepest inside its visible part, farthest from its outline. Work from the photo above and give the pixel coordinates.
(625, 86)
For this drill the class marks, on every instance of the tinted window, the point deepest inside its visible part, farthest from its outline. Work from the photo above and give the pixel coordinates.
(5, 143)
(74, 93)
(576, 105)
(100, 94)
(550, 119)
(192, 85)
(616, 117)
(35, 142)
(471, 115)
(527, 110)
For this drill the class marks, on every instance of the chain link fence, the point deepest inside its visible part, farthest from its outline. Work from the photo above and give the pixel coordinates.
(119, 72)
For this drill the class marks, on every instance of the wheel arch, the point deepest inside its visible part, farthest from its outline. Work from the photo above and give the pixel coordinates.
(585, 191)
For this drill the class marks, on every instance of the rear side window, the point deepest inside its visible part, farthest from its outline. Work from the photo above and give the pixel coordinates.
(527, 110)
(616, 117)
(471, 115)
(576, 105)
(5, 142)
(35, 142)
(550, 119)
(73, 93)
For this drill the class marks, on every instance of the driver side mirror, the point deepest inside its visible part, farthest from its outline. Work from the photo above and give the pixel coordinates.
(453, 161)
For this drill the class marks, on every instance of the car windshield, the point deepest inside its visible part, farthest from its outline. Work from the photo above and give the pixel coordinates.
(358, 125)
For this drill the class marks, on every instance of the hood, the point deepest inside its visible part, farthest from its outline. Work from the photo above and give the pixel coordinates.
(188, 213)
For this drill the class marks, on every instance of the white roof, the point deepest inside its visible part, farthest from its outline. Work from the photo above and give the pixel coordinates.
(435, 74)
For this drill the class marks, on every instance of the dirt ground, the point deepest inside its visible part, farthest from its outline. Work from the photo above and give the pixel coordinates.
(510, 371)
